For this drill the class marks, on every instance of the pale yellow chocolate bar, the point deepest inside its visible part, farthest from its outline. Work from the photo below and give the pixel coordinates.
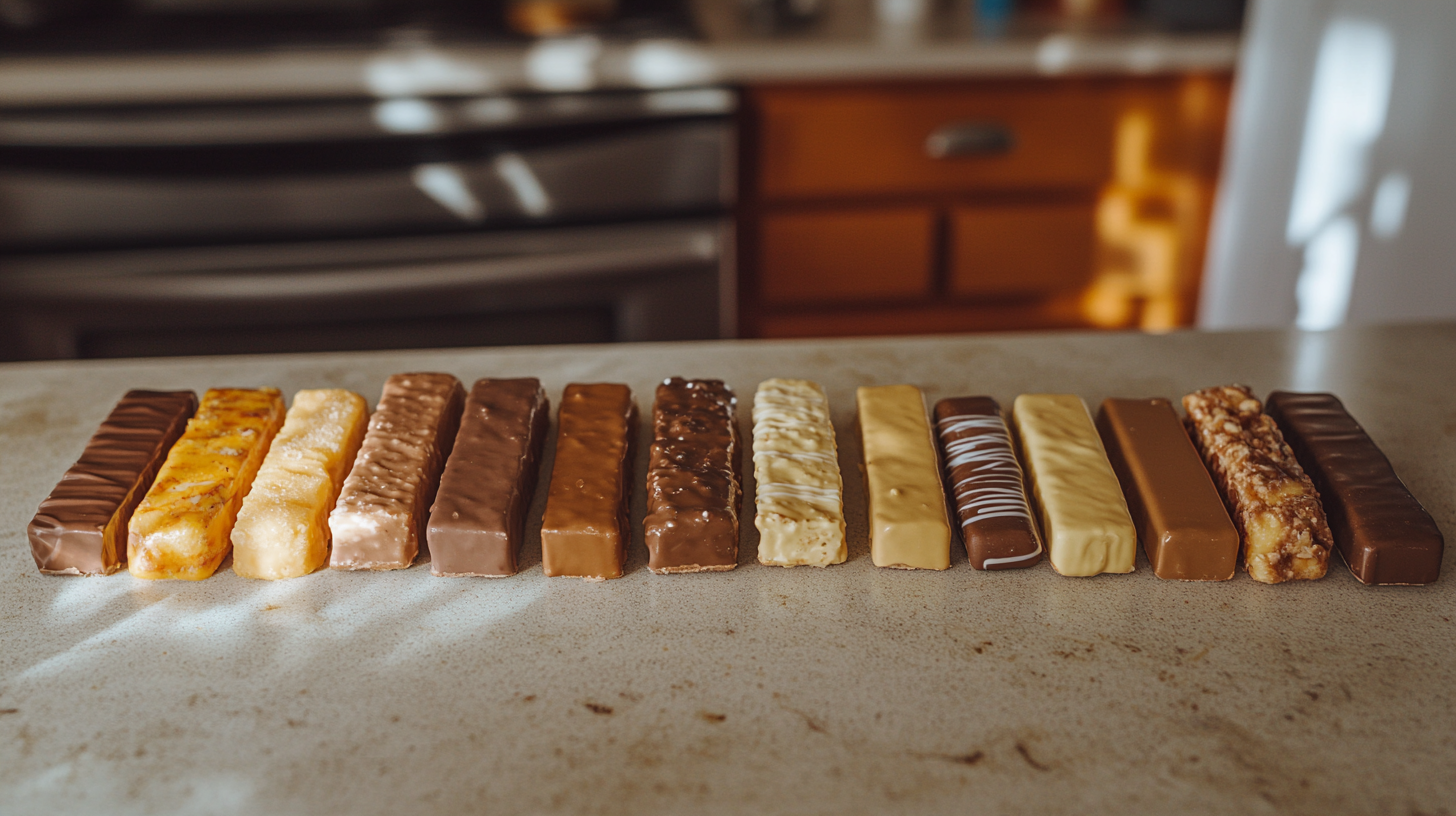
(909, 527)
(1083, 514)
(181, 529)
(800, 494)
(283, 528)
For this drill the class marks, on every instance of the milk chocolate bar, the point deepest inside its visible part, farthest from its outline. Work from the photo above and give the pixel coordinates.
(909, 528)
(1272, 500)
(478, 520)
(379, 522)
(80, 528)
(693, 481)
(1381, 531)
(986, 482)
(800, 495)
(182, 528)
(1180, 517)
(584, 531)
(1083, 513)
(283, 527)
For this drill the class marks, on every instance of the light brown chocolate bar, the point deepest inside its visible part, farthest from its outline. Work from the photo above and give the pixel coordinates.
(584, 532)
(1273, 502)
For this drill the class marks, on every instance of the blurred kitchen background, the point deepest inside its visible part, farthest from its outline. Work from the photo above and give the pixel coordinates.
(235, 176)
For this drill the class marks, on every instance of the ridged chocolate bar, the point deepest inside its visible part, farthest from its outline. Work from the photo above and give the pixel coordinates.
(584, 532)
(1381, 531)
(986, 481)
(80, 528)
(479, 517)
(693, 481)
(379, 522)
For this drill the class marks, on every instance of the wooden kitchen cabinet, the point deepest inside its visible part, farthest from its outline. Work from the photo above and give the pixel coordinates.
(975, 205)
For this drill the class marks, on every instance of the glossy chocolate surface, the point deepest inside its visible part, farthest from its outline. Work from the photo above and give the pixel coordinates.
(693, 481)
(584, 530)
(986, 483)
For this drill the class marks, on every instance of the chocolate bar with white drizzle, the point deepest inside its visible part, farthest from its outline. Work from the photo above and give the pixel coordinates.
(986, 482)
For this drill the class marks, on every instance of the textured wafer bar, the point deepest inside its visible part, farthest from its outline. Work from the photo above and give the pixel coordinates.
(909, 528)
(182, 528)
(987, 484)
(1185, 530)
(1271, 499)
(693, 483)
(800, 494)
(379, 522)
(1083, 513)
(283, 528)
(479, 516)
(584, 531)
(80, 528)
(1381, 531)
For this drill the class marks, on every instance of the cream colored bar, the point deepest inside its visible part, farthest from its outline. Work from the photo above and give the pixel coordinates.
(800, 494)
(909, 528)
(283, 528)
(1084, 517)
(181, 529)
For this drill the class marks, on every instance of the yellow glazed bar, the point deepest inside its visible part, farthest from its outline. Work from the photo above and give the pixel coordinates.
(800, 494)
(1084, 517)
(283, 528)
(909, 528)
(181, 529)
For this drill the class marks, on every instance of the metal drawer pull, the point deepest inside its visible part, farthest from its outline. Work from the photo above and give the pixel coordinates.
(969, 139)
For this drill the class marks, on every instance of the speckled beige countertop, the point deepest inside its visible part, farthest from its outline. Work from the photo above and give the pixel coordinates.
(763, 690)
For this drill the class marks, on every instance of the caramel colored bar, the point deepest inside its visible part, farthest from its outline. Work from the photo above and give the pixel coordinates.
(693, 484)
(379, 522)
(584, 531)
(800, 494)
(182, 528)
(80, 528)
(986, 481)
(283, 528)
(1381, 531)
(909, 528)
(1185, 530)
(479, 517)
(1083, 514)
(1273, 501)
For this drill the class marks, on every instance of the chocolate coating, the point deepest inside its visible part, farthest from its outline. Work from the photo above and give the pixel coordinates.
(479, 516)
(1381, 531)
(693, 481)
(1185, 529)
(584, 531)
(80, 528)
(983, 476)
(382, 512)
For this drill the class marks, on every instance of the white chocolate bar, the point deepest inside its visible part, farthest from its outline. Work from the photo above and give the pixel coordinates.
(800, 494)
(909, 527)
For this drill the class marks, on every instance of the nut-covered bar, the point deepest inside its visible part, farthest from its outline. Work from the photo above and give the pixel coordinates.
(1272, 500)
(379, 522)
(283, 527)
(693, 483)
(1083, 513)
(1381, 531)
(909, 528)
(986, 483)
(182, 529)
(584, 532)
(1180, 517)
(80, 528)
(479, 517)
(799, 492)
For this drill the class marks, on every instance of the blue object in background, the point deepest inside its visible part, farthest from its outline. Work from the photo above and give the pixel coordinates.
(992, 16)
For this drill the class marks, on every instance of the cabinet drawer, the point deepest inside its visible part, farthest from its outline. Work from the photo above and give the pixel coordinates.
(873, 140)
(1020, 250)
(846, 255)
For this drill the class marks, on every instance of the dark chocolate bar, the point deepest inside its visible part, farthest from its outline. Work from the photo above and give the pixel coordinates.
(479, 516)
(1185, 529)
(986, 481)
(80, 529)
(584, 532)
(1381, 531)
(693, 481)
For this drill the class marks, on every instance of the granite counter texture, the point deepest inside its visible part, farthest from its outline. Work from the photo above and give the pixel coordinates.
(763, 690)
